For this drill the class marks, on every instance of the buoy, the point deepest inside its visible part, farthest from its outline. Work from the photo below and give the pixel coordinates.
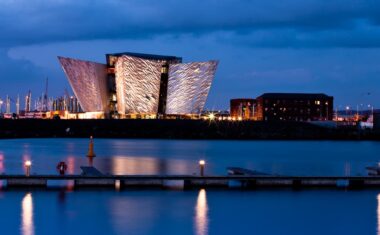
(91, 148)
(61, 168)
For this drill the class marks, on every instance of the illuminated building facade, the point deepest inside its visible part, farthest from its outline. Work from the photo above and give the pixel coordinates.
(294, 107)
(188, 87)
(242, 109)
(88, 81)
(135, 85)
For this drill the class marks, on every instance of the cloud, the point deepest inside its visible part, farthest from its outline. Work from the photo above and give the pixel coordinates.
(297, 22)
(291, 46)
(18, 76)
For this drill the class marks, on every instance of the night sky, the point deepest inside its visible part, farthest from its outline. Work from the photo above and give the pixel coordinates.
(331, 47)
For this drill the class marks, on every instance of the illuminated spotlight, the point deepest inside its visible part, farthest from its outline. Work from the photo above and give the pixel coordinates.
(240, 118)
(220, 118)
(202, 164)
(211, 116)
(27, 164)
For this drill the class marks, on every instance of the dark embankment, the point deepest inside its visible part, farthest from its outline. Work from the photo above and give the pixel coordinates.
(175, 129)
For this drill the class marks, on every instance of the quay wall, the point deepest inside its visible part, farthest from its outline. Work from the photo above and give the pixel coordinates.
(176, 129)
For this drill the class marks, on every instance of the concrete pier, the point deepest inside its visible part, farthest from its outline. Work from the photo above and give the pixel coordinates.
(190, 181)
(94, 183)
(26, 182)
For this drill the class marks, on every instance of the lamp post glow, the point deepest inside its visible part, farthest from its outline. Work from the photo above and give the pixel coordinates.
(211, 117)
(28, 164)
(202, 164)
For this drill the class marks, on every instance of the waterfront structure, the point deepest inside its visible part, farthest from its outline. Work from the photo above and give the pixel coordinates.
(188, 87)
(8, 105)
(66, 103)
(242, 109)
(28, 102)
(88, 82)
(134, 85)
(18, 105)
(376, 121)
(294, 107)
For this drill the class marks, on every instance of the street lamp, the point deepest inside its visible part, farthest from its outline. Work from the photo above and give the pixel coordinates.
(27, 164)
(211, 116)
(202, 164)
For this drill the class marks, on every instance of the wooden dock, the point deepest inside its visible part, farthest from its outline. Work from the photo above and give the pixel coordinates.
(191, 181)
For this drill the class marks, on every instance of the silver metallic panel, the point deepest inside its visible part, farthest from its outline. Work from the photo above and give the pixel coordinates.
(88, 81)
(188, 86)
(137, 85)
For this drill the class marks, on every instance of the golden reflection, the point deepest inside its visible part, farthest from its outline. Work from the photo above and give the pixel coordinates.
(131, 165)
(201, 214)
(117, 185)
(1, 162)
(135, 165)
(27, 226)
(70, 165)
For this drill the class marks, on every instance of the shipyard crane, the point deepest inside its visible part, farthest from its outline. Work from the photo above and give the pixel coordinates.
(45, 97)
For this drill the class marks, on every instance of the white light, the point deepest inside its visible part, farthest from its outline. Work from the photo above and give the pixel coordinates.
(211, 116)
(28, 163)
(27, 223)
(201, 214)
(202, 162)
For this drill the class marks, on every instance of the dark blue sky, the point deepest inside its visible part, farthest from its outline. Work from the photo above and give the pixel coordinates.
(263, 46)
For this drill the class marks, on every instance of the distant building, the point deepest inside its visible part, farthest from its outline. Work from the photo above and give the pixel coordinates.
(66, 103)
(134, 85)
(294, 107)
(376, 121)
(242, 109)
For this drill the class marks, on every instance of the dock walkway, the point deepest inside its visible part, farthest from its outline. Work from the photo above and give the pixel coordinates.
(192, 181)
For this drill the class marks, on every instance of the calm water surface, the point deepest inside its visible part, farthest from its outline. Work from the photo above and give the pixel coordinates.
(196, 211)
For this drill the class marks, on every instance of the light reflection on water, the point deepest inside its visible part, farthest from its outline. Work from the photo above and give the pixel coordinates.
(1, 162)
(27, 226)
(378, 214)
(201, 214)
(70, 165)
(126, 156)
(190, 212)
(141, 165)
(148, 212)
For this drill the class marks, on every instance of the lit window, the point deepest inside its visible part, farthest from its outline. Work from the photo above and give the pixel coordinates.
(164, 70)
(317, 102)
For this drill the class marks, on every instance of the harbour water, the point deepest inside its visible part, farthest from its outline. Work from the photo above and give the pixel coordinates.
(311, 211)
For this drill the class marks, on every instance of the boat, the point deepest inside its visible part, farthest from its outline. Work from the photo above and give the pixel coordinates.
(374, 170)
(243, 171)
